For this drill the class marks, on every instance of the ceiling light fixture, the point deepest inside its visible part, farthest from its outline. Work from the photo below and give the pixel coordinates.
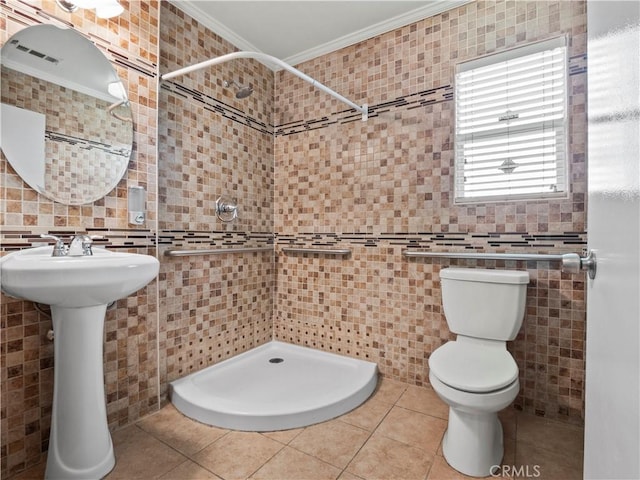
(103, 8)
(117, 90)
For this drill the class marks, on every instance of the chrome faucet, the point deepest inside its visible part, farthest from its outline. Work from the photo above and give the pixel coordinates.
(60, 249)
(80, 245)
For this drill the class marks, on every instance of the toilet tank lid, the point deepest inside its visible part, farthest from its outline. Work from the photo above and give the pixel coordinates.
(485, 275)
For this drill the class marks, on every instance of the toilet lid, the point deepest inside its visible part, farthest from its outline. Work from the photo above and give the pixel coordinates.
(473, 368)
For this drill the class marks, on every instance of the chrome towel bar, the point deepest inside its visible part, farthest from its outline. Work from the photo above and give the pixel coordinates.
(216, 251)
(571, 262)
(325, 251)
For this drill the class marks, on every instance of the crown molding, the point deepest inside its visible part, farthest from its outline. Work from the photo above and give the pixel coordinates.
(433, 8)
(190, 8)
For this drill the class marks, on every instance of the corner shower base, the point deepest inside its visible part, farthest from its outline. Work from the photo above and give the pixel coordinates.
(276, 386)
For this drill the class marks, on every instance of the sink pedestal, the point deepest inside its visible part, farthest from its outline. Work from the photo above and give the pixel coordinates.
(78, 288)
(80, 444)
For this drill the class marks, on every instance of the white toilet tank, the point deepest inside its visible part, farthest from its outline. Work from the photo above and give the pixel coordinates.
(484, 303)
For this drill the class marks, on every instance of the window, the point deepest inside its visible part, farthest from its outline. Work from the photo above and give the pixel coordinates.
(511, 128)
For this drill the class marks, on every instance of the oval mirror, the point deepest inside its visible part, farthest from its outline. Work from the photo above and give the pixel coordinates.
(66, 125)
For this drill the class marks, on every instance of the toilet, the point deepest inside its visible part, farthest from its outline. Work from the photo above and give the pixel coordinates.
(475, 374)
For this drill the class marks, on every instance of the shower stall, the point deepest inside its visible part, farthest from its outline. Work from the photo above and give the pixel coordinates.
(216, 142)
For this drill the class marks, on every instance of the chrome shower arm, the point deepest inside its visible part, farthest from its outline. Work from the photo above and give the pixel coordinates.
(267, 60)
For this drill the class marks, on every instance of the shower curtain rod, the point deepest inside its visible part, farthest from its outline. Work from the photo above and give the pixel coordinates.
(266, 59)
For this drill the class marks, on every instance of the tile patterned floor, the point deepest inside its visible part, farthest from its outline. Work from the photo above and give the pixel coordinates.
(396, 434)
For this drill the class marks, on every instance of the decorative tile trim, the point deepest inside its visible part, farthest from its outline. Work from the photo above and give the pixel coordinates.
(568, 241)
(12, 240)
(408, 102)
(577, 65)
(130, 238)
(216, 106)
(28, 15)
(195, 239)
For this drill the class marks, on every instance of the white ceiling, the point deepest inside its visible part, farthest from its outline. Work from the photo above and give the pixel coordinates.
(296, 31)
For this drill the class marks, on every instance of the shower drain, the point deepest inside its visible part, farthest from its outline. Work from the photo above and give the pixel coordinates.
(276, 360)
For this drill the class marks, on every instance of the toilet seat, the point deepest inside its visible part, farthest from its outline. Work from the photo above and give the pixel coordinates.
(475, 368)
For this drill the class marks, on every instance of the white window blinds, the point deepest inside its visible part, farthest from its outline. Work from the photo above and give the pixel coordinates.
(511, 135)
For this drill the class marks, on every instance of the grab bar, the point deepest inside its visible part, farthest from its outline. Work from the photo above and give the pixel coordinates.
(216, 251)
(325, 251)
(571, 262)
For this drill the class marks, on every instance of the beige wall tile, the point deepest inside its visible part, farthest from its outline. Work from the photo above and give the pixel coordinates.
(131, 368)
(347, 184)
(215, 307)
(387, 183)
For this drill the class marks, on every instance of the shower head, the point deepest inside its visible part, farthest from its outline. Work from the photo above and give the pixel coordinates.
(242, 91)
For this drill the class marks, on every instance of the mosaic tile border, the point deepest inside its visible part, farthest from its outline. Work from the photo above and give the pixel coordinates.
(12, 240)
(577, 65)
(190, 238)
(128, 238)
(568, 241)
(216, 106)
(29, 15)
(408, 102)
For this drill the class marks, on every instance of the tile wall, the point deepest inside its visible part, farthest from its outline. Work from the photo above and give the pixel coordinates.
(130, 42)
(380, 186)
(212, 144)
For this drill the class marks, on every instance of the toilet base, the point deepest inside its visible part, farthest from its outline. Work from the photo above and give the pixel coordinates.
(473, 443)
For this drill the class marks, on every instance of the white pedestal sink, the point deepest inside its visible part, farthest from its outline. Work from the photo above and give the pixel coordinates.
(78, 290)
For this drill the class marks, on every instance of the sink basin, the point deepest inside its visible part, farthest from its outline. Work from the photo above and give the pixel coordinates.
(101, 278)
(78, 290)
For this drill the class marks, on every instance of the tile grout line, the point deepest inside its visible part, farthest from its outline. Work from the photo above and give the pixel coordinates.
(288, 444)
(342, 469)
(187, 457)
(266, 461)
(371, 434)
(283, 444)
(395, 404)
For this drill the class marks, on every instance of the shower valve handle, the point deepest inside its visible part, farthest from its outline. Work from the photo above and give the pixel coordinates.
(226, 208)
